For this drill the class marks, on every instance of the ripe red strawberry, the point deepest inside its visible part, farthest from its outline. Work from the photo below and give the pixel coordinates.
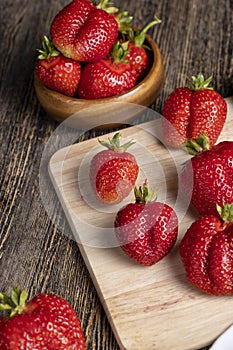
(206, 251)
(109, 76)
(138, 54)
(84, 32)
(146, 230)
(113, 172)
(193, 111)
(212, 174)
(45, 322)
(56, 71)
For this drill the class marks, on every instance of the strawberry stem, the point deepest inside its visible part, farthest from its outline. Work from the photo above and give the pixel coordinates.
(151, 24)
(124, 22)
(48, 49)
(106, 5)
(114, 143)
(198, 82)
(225, 212)
(13, 303)
(119, 51)
(197, 145)
(138, 37)
(143, 195)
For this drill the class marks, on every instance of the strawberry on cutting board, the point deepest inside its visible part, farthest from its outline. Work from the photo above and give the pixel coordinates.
(45, 322)
(191, 111)
(109, 76)
(113, 171)
(146, 230)
(207, 178)
(206, 251)
(84, 32)
(56, 71)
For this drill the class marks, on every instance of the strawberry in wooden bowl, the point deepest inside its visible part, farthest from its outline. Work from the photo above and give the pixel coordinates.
(104, 76)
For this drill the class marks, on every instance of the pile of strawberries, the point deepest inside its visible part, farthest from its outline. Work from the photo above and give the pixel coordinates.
(194, 117)
(147, 230)
(93, 52)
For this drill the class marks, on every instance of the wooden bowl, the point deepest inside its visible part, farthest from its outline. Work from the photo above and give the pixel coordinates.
(60, 107)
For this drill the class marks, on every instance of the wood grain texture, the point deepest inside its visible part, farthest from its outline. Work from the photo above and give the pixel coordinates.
(193, 36)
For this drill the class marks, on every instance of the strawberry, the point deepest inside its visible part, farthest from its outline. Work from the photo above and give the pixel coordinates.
(84, 32)
(146, 230)
(56, 71)
(2, 323)
(189, 112)
(109, 76)
(212, 172)
(206, 251)
(138, 54)
(45, 322)
(113, 171)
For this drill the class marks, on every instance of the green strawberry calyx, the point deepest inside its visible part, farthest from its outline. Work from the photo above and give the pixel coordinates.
(197, 145)
(15, 302)
(225, 212)
(106, 5)
(137, 37)
(122, 17)
(114, 143)
(124, 22)
(199, 82)
(143, 195)
(119, 52)
(48, 49)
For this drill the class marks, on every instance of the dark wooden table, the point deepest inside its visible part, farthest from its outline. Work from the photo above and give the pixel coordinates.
(193, 36)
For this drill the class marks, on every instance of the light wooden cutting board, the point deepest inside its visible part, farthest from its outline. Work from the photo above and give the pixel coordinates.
(147, 307)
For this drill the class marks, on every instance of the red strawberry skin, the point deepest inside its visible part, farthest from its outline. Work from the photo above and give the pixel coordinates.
(176, 114)
(48, 322)
(83, 32)
(139, 59)
(106, 78)
(2, 322)
(191, 113)
(206, 252)
(113, 175)
(212, 173)
(59, 73)
(146, 232)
